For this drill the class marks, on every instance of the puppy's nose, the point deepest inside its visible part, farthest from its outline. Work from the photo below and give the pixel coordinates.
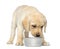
(37, 35)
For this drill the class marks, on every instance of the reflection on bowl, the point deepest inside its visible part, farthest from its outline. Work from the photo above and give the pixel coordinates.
(33, 41)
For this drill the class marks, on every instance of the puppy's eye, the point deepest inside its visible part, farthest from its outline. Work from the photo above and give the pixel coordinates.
(41, 26)
(34, 26)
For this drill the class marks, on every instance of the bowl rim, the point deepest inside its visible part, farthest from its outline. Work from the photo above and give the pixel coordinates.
(33, 38)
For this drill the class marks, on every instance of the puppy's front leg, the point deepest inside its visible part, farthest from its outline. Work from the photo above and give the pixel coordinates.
(26, 34)
(44, 43)
(19, 36)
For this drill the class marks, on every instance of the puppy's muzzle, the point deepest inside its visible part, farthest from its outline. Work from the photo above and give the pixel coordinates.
(38, 35)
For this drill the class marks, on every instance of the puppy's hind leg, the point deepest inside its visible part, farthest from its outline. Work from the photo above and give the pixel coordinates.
(13, 29)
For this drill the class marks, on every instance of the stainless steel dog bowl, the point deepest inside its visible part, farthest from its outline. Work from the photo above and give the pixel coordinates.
(33, 41)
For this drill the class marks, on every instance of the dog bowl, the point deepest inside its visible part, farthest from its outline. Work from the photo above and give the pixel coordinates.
(33, 41)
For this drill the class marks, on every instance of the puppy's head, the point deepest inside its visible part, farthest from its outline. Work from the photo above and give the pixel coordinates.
(36, 28)
(37, 24)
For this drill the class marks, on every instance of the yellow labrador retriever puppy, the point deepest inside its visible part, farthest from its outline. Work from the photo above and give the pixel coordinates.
(27, 18)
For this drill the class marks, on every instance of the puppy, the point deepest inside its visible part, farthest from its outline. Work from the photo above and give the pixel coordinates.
(27, 18)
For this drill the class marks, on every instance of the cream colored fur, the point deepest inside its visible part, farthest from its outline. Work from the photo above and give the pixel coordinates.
(23, 17)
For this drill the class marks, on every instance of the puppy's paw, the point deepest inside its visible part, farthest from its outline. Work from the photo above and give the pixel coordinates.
(45, 44)
(9, 42)
(19, 44)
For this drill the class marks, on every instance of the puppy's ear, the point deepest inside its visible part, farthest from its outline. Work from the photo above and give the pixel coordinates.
(26, 24)
(45, 24)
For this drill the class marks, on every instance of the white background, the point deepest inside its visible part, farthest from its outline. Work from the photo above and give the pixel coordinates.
(50, 8)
